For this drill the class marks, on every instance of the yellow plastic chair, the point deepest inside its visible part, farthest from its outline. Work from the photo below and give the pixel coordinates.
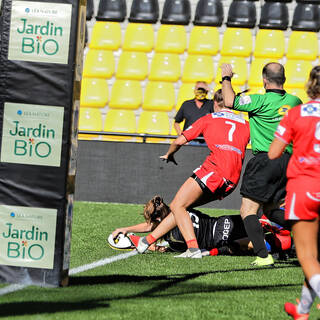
(123, 121)
(239, 67)
(256, 90)
(204, 40)
(269, 44)
(132, 65)
(165, 67)
(171, 38)
(299, 92)
(126, 94)
(303, 45)
(297, 73)
(237, 42)
(94, 93)
(89, 120)
(198, 68)
(106, 35)
(99, 64)
(159, 96)
(154, 122)
(186, 92)
(138, 37)
(255, 77)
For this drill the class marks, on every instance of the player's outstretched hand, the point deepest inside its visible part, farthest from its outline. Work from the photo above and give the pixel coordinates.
(169, 158)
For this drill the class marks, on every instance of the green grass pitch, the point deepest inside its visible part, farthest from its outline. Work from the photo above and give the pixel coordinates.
(154, 285)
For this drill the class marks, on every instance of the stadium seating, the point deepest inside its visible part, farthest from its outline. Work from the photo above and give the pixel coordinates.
(123, 121)
(94, 93)
(154, 122)
(99, 64)
(306, 17)
(297, 72)
(303, 45)
(255, 77)
(126, 94)
(132, 65)
(274, 15)
(159, 96)
(89, 120)
(209, 13)
(186, 92)
(171, 38)
(165, 67)
(176, 12)
(145, 11)
(106, 35)
(242, 14)
(110, 10)
(237, 42)
(198, 68)
(269, 44)
(299, 92)
(138, 37)
(204, 40)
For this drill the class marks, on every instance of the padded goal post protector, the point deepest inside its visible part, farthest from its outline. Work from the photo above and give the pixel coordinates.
(41, 54)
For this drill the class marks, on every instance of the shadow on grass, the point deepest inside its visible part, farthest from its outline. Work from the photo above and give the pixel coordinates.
(40, 307)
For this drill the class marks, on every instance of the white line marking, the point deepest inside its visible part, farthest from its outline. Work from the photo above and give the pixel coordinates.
(89, 266)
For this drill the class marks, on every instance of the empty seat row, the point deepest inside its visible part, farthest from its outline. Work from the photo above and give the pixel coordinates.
(274, 14)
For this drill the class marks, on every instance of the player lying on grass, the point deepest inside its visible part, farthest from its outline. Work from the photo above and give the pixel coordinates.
(215, 235)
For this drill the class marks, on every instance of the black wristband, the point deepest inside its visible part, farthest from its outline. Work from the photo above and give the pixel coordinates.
(225, 78)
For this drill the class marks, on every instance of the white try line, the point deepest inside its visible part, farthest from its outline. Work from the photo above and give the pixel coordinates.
(86, 267)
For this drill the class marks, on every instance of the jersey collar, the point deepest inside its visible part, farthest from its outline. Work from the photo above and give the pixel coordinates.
(280, 91)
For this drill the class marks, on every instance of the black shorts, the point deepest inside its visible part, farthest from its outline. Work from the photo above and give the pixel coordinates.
(264, 180)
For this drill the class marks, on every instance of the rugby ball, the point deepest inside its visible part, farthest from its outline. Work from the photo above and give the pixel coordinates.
(120, 242)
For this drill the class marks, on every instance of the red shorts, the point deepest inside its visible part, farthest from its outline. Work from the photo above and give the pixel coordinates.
(301, 202)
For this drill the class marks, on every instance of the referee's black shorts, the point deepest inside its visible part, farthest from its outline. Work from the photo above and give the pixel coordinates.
(264, 180)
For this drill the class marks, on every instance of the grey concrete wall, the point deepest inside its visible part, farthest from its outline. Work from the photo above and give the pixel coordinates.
(133, 173)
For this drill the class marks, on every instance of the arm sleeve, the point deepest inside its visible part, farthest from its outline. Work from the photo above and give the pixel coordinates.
(179, 116)
(285, 128)
(247, 102)
(194, 130)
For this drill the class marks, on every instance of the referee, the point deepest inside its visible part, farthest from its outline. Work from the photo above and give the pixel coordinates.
(264, 180)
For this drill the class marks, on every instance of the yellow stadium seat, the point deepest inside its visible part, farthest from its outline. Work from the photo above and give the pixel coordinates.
(269, 44)
(186, 92)
(99, 64)
(138, 37)
(297, 73)
(198, 68)
(126, 94)
(256, 90)
(132, 65)
(255, 77)
(299, 92)
(239, 67)
(123, 121)
(94, 93)
(204, 40)
(154, 122)
(165, 67)
(89, 120)
(303, 45)
(159, 96)
(237, 42)
(106, 35)
(171, 38)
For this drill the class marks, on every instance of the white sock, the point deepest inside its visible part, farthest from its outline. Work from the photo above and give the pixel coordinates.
(306, 300)
(315, 283)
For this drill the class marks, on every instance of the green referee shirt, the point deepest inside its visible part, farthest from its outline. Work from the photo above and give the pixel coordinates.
(265, 112)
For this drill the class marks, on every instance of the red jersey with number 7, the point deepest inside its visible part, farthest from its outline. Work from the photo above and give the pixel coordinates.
(227, 136)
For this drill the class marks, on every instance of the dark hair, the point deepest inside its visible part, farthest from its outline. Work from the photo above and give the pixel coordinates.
(218, 98)
(155, 210)
(313, 84)
(274, 73)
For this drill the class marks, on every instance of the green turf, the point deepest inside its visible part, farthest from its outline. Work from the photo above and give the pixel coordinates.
(154, 285)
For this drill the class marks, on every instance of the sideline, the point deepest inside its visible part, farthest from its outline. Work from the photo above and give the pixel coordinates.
(16, 287)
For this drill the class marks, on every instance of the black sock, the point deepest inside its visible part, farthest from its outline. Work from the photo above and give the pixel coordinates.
(277, 216)
(256, 235)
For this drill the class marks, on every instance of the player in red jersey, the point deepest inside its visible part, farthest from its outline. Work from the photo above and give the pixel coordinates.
(227, 136)
(302, 127)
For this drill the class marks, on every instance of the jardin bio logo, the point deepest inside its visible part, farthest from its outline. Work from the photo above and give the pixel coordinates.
(40, 31)
(32, 134)
(27, 236)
